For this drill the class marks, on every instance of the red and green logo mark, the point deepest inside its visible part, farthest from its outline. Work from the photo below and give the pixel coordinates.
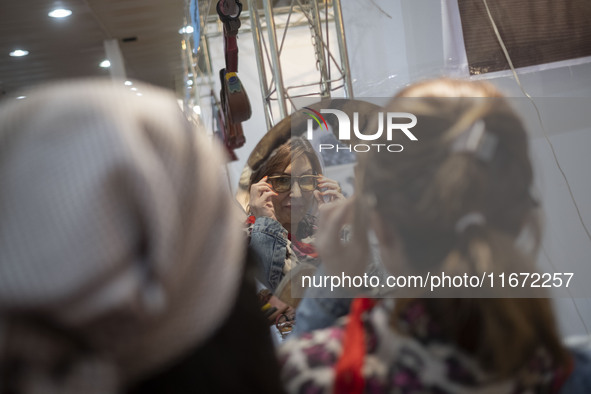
(316, 115)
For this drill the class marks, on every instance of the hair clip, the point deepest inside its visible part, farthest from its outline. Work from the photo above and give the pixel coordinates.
(476, 140)
(469, 219)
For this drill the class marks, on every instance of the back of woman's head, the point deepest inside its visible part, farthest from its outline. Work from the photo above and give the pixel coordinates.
(471, 157)
(116, 230)
(456, 201)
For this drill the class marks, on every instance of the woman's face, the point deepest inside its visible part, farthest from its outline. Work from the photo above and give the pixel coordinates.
(291, 206)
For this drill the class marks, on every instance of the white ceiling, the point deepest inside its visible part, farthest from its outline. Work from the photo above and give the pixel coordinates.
(74, 46)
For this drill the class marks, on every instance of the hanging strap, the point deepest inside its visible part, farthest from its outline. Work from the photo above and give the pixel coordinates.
(234, 100)
(348, 371)
(231, 23)
(229, 13)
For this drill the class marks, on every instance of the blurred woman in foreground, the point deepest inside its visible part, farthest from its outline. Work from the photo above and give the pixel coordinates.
(122, 259)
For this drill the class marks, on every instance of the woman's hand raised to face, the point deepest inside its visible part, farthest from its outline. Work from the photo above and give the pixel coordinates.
(328, 191)
(261, 203)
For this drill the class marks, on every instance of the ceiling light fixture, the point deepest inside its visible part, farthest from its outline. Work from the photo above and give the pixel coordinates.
(60, 13)
(128, 83)
(186, 30)
(19, 53)
(105, 64)
(21, 97)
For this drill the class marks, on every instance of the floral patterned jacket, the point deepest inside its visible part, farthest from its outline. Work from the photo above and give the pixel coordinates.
(399, 363)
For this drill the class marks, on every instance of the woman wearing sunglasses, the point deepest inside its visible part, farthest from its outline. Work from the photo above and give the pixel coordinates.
(285, 192)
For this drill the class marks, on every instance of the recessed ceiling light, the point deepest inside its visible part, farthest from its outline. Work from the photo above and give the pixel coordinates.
(186, 30)
(134, 89)
(19, 53)
(128, 83)
(139, 94)
(21, 97)
(60, 13)
(105, 64)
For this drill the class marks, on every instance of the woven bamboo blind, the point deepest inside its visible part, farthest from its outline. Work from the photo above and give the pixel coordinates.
(534, 32)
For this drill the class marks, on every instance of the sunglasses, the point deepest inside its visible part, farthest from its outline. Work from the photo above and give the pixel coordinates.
(282, 183)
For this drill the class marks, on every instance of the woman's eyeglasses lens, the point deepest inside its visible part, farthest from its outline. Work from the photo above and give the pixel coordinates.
(282, 183)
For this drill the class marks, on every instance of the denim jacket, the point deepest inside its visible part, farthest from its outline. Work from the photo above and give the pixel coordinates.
(579, 381)
(268, 241)
(319, 307)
